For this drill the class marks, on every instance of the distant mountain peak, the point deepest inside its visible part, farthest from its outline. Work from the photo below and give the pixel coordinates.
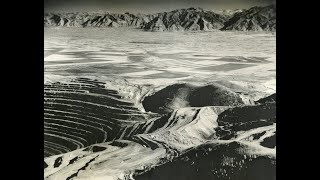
(253, 19)
(195, 9)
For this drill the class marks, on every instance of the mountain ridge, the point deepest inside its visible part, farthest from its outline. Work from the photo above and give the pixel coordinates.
(190, 19)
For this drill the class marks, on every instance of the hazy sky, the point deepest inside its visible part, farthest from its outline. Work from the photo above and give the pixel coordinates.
(146, 6)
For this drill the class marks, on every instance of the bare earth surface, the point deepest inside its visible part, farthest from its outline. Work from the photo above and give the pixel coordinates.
(121, 103)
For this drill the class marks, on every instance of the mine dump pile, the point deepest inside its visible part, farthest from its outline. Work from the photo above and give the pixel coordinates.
(182, 129)
(91, 130)
(239, 141)
(187, 95)
(84, 112)
(244, 143)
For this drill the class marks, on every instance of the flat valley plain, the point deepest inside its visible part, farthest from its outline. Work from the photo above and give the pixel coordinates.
(151, 57)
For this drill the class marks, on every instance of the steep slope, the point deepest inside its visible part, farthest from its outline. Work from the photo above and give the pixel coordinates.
(189, 127)
(83, 112)
(253, 19)
(95, 19)
(220, 161)
(270, 99)
(192, 19)
(113, 160)
(206, 142)
(185, 127)
(182, 19)
(139, 152)
(259, 120)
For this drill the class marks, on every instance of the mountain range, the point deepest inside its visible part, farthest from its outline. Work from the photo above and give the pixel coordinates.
(191, 19)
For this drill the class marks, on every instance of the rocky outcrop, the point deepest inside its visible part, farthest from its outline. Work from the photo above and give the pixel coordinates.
(253, 19)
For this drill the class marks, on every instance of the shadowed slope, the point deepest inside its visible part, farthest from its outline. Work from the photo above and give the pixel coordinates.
(253, 19)
(191, 19)
(187, 95)
(95, 19)
(216, 161)
(270, 99)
